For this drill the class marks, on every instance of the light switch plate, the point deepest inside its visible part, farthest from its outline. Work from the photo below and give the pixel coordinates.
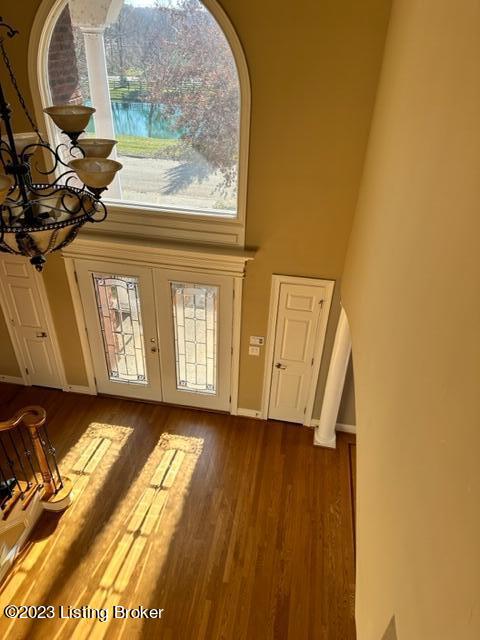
(253, 351)
(259, 341)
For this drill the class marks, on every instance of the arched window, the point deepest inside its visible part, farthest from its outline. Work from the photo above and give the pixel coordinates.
(165, 81)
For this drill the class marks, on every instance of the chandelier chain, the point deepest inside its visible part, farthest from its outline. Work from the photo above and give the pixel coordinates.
(6, 60)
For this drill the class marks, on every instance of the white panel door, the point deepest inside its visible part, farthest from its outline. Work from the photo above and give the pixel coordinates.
(195, 314)
(119, 308)
(299, 309)
(23, 306)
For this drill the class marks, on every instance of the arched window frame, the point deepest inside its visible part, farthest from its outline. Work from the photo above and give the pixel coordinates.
(153, 220)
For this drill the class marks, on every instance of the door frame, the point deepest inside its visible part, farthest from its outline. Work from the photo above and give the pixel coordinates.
(182, 257)
(277, 281)
(50, 326)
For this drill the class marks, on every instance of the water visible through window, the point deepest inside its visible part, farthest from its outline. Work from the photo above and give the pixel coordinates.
(174, 97)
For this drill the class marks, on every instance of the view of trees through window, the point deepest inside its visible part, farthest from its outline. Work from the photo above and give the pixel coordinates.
(175, 101)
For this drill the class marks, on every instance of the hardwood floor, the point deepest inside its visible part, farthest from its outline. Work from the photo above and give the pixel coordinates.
(239, 529)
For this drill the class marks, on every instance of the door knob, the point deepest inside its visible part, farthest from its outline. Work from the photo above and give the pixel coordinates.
(280, 366)
(153, 349)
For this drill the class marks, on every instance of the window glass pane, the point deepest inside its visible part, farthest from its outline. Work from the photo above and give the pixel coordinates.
(194, 309)
(174, 97)
(118, 306)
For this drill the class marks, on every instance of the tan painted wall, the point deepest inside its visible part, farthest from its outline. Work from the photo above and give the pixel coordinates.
(346, 412)
(411, 290)
(314, 67)
(8, 360)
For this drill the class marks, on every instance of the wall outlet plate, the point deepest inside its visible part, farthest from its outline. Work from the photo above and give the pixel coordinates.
(253, 351)
(259, 341)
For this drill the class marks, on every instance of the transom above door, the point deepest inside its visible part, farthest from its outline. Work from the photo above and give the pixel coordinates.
(159, 334)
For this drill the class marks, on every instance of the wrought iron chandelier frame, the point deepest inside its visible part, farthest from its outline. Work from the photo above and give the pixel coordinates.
(39, 217)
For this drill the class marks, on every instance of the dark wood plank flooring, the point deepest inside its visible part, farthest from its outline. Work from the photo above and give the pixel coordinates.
(247, 535)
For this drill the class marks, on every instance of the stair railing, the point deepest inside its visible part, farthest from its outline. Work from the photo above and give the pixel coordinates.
(28, 463)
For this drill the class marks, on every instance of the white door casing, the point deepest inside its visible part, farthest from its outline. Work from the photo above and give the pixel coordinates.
(298, 319)
(150, 387)
(27, 312)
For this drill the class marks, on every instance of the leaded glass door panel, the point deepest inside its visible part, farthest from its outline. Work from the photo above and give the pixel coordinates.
(120, 315)
(195, 320)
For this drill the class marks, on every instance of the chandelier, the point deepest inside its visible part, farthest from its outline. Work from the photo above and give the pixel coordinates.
(44, 213)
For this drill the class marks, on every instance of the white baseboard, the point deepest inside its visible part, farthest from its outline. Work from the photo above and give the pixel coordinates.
(346, 428)
(249, 413)
(12, 379)
(340, 426)
(78, 388)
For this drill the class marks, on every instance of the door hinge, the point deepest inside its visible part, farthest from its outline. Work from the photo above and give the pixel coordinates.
(76, 276)
(26, 371)
(305, 410)
(311, 364)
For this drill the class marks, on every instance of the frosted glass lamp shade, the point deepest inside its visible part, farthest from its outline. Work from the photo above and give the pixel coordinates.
(96, 147)
(96, 173)
(71, 118)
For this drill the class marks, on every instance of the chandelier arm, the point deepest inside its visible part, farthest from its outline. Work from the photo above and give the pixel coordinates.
(37, 218)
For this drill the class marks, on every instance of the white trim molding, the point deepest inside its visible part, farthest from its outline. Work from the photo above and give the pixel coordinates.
(80, 388)
(346, 428)
(249, 413)
(342, 347)
(228, 261)
(12, 379)
(340, 426)
(277, 281)
(81, 327)
(137, 218)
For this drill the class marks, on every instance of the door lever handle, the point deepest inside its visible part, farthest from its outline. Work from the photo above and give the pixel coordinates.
(280, 366)
(41, 334)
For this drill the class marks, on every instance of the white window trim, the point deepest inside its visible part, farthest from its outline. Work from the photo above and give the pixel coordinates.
(139, 219)
(215, 260)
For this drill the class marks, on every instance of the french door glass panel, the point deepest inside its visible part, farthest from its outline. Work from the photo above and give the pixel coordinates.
(194, 309)
(196, 337)
(119, 306)
(118, 303)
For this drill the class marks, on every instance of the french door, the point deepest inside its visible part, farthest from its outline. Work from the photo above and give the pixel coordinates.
(119, 308)
(195, 326)
(159, 334)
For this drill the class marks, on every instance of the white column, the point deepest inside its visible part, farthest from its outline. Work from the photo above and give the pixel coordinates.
(325, 435)
(100, 92)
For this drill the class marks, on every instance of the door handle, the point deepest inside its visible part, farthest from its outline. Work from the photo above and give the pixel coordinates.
(280, 366)
(41, 334)
(153, 349)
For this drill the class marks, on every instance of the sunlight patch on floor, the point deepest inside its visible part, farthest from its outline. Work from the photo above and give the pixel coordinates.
(100, 443)
(124, 572)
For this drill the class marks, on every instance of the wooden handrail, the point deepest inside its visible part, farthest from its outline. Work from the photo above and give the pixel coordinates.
(32, 416)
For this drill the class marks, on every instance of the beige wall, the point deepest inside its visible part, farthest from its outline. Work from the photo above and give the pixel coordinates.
(8, 360)
(314, 67)
(411, 290)
(346, 412)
